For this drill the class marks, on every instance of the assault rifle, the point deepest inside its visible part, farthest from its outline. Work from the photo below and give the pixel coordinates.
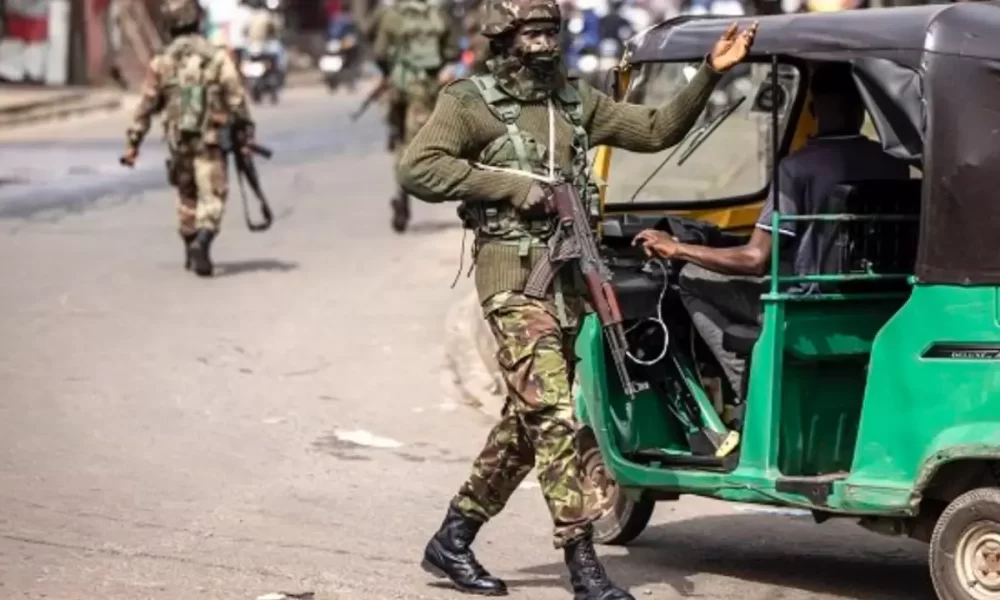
(235, 143)
(574, 241)
(381, 88)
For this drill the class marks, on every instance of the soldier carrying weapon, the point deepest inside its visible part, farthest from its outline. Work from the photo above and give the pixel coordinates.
(198, 88)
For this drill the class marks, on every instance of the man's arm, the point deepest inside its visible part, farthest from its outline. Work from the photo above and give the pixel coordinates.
(385, 41)
(434, 168)
(752, 258)
(369, 25)
(151, 101)
(639, 128)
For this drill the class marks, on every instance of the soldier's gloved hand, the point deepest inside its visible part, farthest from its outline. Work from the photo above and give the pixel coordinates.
(129, 157)
(538, 201)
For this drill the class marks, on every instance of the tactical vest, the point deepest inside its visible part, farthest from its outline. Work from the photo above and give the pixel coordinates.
(518, 151)
(188, 74)
(418, 54)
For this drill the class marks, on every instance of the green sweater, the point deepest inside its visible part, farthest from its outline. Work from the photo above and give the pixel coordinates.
(437, 166)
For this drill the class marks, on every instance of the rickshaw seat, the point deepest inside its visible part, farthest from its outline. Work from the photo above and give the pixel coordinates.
(740, 339)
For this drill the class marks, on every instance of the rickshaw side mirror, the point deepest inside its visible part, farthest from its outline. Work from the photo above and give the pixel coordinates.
(768, 97)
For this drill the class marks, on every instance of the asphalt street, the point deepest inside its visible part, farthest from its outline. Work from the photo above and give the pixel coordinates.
(290, 425)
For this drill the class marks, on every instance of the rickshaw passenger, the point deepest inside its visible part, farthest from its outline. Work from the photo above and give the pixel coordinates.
(722, 286)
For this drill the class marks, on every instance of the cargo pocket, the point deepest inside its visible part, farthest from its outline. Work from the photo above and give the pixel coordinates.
(530, 355)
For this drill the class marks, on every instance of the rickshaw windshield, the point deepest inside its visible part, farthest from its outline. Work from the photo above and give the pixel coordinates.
(726, 155)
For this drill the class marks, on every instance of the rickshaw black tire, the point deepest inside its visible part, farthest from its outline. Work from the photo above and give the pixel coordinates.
(625, 521)
(982, 504)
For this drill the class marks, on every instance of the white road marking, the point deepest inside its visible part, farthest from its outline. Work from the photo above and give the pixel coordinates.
(366, 438)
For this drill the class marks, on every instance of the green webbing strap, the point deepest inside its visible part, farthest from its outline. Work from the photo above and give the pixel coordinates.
(506, 110)
(572, 106)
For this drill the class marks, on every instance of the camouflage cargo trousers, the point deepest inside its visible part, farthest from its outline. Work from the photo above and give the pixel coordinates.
(538, 427)
(202, 184)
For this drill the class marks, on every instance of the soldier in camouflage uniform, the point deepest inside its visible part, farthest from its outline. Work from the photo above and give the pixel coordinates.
(394, 111)
(198, 86)
(487, 145)
(415, 45)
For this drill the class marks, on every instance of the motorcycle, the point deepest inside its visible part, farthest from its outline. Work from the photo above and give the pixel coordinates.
(340, 57)
(262, 74)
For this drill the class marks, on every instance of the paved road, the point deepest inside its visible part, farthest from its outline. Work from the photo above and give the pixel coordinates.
(289, 425)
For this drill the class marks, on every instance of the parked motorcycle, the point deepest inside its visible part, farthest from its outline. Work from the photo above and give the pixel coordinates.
(262, 74)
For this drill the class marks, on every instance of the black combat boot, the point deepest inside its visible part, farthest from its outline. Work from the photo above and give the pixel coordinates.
(587, 576)
(199, 248)
(400, 211)
(188, 238)
(448, 555)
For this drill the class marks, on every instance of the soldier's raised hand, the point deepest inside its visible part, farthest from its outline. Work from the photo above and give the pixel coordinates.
(732, 47)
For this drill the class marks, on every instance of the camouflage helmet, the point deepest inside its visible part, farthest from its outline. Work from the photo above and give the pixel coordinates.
(503, 16)
(181, 13)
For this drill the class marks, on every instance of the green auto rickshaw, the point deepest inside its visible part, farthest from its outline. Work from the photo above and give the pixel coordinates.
(876, 396)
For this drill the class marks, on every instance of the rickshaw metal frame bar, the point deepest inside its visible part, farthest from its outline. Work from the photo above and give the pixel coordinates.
(847, 217)
(785, 297)
(844, 277)
(775, 184)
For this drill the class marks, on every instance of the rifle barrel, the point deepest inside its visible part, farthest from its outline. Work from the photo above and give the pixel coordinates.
(261, 150)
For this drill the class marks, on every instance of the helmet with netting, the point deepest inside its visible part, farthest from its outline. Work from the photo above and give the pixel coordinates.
(503, 16)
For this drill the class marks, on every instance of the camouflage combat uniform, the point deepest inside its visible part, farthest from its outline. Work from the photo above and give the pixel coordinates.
(394, 113)
(416, 43)
(502, 120)
(195, 110)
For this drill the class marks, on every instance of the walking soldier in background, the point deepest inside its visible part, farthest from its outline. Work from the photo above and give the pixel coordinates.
(394, 113)
(414, 47)
(198, 88)
(498, 143)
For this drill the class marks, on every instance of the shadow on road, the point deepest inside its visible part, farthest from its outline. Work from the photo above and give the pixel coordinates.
(835, 558)
(250, 266)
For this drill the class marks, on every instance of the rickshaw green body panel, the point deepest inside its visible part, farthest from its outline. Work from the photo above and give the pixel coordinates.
(837, 386)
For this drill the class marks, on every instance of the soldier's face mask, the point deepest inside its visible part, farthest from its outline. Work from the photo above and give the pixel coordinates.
(536, 45)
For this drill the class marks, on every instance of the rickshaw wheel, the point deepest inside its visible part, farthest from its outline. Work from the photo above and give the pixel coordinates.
(622, 518)
(965, 548)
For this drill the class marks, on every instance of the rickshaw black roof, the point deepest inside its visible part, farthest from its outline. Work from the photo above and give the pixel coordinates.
(902, 34)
